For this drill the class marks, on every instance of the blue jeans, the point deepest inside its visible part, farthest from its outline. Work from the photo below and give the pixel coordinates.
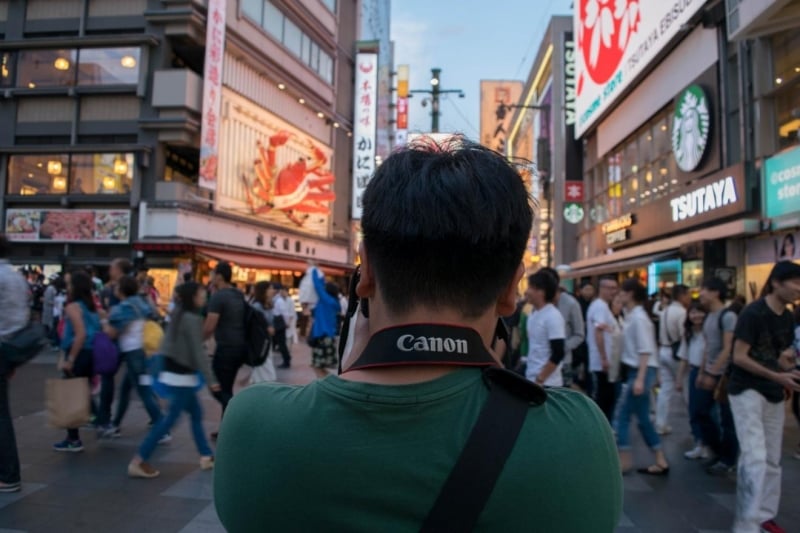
(136, 367)
(694, 420)
(720, 437)
(639, 406)
(181, 399)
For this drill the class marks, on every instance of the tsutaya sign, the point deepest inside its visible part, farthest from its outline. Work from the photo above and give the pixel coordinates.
(704, 199)
(616, 41)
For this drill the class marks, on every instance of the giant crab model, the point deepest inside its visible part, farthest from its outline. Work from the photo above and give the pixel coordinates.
(298, 189)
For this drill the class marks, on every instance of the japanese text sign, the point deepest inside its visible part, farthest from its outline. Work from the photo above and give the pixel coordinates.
(212, 93)
(364, 139)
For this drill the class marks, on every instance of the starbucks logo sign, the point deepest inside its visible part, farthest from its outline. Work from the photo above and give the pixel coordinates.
(690, 128)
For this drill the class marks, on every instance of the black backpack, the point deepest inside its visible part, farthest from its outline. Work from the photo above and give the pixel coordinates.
(256, 335)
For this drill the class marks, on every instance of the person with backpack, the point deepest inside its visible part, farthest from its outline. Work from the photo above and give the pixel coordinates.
(15, 305)
(81, 325)
(126, 324)
(225, 320)
(718, 332)
(184, 357)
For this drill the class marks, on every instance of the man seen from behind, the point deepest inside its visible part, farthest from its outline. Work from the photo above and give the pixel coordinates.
(444, 230)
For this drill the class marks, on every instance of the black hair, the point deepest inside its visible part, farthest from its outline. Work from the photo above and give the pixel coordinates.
(445, 225)
(715, 284)
(332, 289)
(128, 286)
(787, 239)
(81, 289)
(639, 291)
(689, 326)
(544, 281)
(125, 266)
(260, 293)
(5, 247)
(224, 269)
(187, 277)
(184, 293)
(552, 272)
(679, 290)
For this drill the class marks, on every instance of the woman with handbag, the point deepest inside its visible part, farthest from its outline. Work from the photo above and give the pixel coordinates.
(184, 357)
(81, 325)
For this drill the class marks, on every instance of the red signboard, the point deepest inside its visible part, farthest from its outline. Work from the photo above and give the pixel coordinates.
(573, 191)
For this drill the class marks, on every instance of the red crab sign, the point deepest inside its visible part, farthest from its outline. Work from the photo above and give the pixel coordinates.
(298, 188)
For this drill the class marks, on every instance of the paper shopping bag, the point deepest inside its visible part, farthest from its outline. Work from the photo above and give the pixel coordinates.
(67, 402)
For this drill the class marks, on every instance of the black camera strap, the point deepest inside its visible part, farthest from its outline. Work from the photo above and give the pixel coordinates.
(424, 344)
(466, 491)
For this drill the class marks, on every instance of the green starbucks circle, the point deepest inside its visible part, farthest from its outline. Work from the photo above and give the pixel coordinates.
(691, 125)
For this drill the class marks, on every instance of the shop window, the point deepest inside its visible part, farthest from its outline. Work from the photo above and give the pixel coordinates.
(30, 175)
(46, 68)
(330, 4)
(108, 66)
(101, 173)
(325, 66)
(630, 192)
(89, 66)
(786, 57)
(7, 62)
(76, 174)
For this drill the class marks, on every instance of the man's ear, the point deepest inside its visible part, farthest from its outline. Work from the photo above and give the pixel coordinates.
(366, 284)
(507, 302)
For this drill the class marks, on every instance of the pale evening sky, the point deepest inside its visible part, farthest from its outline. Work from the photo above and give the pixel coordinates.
(469, 40)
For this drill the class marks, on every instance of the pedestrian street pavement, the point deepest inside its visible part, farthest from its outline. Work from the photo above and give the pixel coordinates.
(90, 491)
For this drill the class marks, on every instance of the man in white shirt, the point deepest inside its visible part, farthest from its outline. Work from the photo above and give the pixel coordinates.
(283, 307)
(600, 324)
(671, 328)
(546, 332)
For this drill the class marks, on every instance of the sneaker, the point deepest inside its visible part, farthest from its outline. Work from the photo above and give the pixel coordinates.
(206, 463)
(91, 424)
(698, 452)
(142, 470)
(720, 469)
(664, 430)
(68, 446)
(109, 432)
(770, 526)
(10, 487)
(166, 439)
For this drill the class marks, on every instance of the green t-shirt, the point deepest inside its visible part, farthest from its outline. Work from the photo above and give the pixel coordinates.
(337, 455)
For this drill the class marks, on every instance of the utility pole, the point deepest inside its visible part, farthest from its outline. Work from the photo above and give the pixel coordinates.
(435, 91)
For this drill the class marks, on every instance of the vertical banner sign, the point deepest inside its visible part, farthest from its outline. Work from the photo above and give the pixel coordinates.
(212, 93)
(364, 139)
(573, 156)
(497, 97)
(402, 105)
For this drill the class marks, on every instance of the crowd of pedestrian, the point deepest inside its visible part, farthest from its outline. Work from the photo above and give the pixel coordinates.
(733, 366)
(77, 307)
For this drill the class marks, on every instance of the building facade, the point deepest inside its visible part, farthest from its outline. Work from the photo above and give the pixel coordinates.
(542, 131)
(671, 194)
(104, 107)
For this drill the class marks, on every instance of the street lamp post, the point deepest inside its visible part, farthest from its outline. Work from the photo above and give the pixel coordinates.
(435, 91)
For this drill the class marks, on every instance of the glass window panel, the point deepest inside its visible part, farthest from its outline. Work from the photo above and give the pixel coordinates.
(325, 66)
(46, 68)
(630, 157)
(305, 49)
(786, 56)
(330, 4)
(662, 144)
(108, 66)
(314, 61)
(101, 174)
(292, 37)
(630, 192)
(38, 174)
(646, 147)
(273, 20)
(7, 64)
(648, 189)
(253, 9)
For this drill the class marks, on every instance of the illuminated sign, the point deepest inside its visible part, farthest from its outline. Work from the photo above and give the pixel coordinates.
(691, 125)
(616, 41)
(616, 230)
(713, 196)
